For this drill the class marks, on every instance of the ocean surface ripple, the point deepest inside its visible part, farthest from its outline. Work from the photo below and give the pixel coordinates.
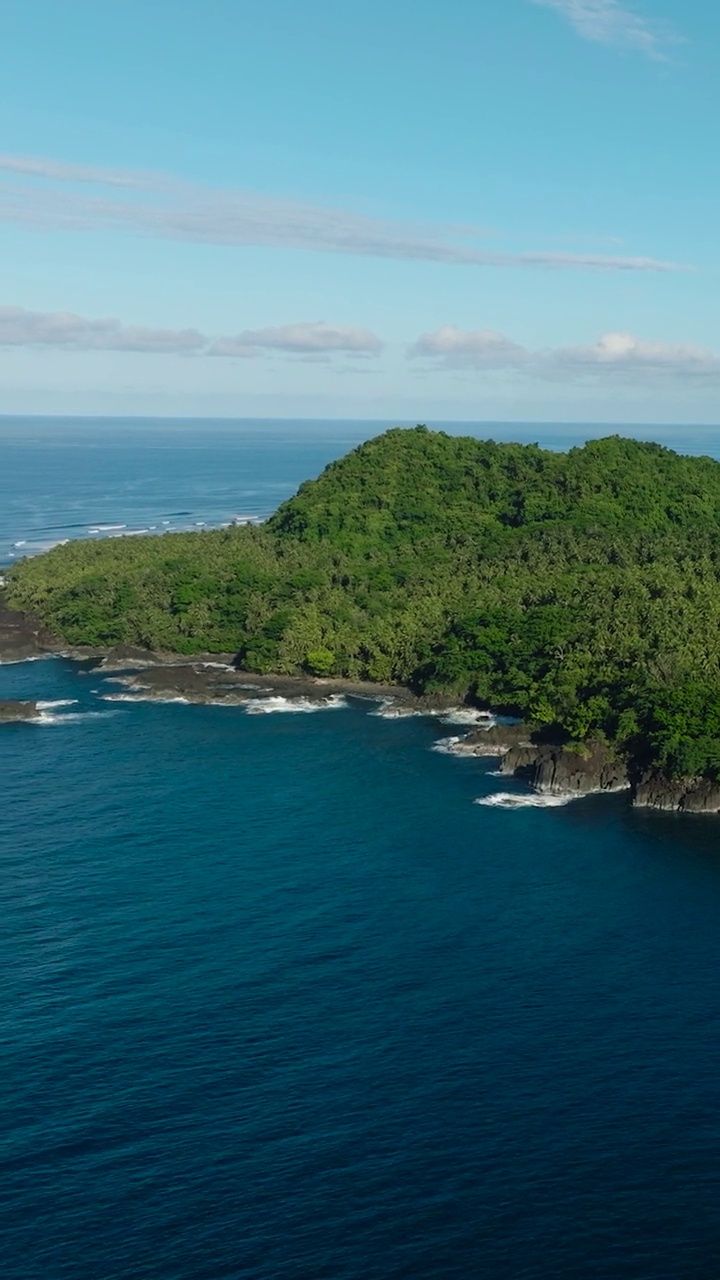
(282, 1001)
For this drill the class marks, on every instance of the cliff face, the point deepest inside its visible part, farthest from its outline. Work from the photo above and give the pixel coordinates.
(548, 767)
(677, 795)
(558, 770)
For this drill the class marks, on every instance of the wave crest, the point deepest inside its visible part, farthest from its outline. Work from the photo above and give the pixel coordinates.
(278, 704)
(533, 800)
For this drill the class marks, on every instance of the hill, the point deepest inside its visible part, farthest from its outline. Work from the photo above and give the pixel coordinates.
(581, 590)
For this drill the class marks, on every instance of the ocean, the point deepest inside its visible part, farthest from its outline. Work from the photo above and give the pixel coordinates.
(281, 1001)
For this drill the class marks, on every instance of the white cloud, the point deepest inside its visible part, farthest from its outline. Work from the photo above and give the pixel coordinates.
(21, 328)
(53, 195)
(613, 355)
(611, 23)
(474, 348)
(623, 352)
(300, 339)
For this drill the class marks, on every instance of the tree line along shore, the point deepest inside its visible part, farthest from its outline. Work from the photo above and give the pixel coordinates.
(579, 591)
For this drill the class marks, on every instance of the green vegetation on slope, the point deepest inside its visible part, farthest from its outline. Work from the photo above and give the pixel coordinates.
(581, 589)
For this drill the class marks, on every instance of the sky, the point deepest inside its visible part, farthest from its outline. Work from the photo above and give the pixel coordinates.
(488, 210)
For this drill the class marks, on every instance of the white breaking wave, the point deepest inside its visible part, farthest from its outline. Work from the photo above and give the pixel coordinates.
(271, 706)
(448, 747)
(59, 702)
(124, 680)
(36, 657)
(467, 715)
(36, 548)
(139, 697)
(389, 709)
(72, 717)
(166, 699)
(533, 800)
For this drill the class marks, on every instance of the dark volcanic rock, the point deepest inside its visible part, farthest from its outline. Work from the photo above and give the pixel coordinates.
(496, 740)
(122, 654)
(559, 770)
(677, 795)
(12, 712)
(22, 636)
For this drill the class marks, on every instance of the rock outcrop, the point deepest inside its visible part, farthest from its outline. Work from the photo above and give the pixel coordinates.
(497, 740)
(22, 636)
(658, 790)
(561, 770)
(11, 712)
(548, 766)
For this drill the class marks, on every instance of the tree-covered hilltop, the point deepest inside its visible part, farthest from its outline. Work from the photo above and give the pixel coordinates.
(580, 589)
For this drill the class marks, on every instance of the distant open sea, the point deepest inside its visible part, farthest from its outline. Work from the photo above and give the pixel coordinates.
(281, 1002)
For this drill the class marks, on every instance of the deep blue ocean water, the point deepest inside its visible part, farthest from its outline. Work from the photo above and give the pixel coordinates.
(280, 1001)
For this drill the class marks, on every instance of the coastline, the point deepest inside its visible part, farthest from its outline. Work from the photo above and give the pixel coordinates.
(201, 677)
(550, 769)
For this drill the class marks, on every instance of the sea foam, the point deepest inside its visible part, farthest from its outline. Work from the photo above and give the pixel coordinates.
(272, 706)
(140, 697)
(388, 709)
(72, 717)
(532, 800)
(35, 657)
(450, 747)
(467, 715)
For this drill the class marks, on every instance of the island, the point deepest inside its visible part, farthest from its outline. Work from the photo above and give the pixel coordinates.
(577, 592)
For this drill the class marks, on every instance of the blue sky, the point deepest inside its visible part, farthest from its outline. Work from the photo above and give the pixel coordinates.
(495, 210)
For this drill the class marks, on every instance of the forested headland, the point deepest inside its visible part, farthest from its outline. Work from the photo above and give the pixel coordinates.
(580, 590)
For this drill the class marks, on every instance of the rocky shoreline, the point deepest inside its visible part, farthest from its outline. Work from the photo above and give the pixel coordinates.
(213, 680)
(555, 769)
(550, 768)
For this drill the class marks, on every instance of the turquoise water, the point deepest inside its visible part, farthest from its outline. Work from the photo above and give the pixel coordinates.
(279, 1000)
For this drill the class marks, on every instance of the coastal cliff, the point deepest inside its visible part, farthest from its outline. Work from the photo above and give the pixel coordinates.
(677, 795)
(590, 769)
(550, 767)
(566, 771)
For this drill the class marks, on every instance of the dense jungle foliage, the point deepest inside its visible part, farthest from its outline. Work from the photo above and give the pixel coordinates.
(581, 589)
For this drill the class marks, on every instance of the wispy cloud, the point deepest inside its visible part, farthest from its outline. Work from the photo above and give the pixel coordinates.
(611, 23)
(613, 355)
(62, 171)
(469, 348)
(300, 339)
(52, 195)
(22, 328)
